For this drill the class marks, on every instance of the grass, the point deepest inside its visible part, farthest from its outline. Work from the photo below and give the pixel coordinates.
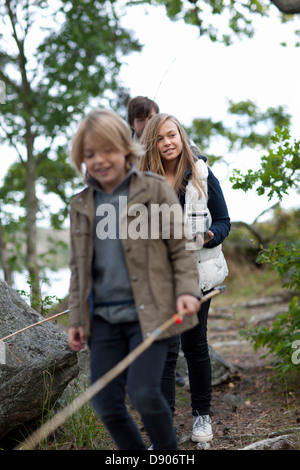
(246, 282)
(82, 431)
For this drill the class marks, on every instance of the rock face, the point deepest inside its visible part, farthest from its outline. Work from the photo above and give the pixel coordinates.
(38, 363)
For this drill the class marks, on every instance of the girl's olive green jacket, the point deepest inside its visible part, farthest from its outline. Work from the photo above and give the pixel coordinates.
(159, 265)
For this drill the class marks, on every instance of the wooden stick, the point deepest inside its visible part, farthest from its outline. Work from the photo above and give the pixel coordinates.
(59, 419)
(35, 324)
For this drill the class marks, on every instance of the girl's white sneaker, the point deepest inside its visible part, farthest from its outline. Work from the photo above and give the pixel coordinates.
(202, 431)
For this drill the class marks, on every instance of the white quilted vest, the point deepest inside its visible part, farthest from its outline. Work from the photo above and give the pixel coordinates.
(212, 266)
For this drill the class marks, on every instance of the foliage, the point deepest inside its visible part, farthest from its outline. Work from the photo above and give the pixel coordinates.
(280, 168)
(43, 304)
(279, 173)
(220, 20)
(281, 338)
(76, 58)
(196, 12)
(285, 259)
(83, 430)
(252, 128)
(54, 60)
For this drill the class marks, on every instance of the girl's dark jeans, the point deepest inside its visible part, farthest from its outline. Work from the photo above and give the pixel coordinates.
(195, 348)
(109, 344)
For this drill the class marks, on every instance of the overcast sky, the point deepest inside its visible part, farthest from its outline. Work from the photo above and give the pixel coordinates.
(192, 77)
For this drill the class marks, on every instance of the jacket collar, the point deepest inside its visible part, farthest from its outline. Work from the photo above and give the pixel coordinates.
(139, 193)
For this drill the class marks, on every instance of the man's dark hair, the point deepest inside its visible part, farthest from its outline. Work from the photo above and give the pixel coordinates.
(140, 107)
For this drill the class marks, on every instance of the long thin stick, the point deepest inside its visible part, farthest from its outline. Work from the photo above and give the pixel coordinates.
(59, 419)
(35, 324)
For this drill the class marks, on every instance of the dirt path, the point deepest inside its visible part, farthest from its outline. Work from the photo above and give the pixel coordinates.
(250, 406)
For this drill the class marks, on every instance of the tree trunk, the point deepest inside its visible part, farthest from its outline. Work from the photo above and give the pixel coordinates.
(31, 235)
(30, 167)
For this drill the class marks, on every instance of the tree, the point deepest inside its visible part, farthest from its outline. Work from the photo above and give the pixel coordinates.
(253, 128)
(205, 15)
(51, 73)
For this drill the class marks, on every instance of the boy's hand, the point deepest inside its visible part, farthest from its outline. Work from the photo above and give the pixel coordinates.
(76, 338)
(188, 302)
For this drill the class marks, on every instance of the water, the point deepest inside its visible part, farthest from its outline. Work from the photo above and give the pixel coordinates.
(57, 285)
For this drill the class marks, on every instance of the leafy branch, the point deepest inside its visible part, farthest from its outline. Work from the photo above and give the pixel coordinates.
(280, 168)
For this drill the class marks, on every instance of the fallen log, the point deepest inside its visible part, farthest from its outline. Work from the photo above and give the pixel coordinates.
(275, 443)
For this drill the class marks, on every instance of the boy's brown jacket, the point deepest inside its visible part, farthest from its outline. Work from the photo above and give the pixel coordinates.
(159, 269)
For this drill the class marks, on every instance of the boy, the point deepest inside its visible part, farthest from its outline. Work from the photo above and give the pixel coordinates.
(122, 288)
(140, 110)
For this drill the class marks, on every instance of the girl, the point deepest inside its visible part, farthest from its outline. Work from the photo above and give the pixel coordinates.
(168, 153)
(123, 288)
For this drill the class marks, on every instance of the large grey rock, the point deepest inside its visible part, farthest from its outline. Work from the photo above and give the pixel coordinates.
(38, 363)
(221, 370)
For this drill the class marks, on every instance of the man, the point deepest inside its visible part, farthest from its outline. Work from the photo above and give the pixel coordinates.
(140, 110)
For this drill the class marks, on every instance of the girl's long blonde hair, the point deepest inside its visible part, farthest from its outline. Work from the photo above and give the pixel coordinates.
(110, 131)
(151, 160)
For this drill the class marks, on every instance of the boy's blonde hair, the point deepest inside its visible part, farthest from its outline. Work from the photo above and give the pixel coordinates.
(151, 160)
(110, 130)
